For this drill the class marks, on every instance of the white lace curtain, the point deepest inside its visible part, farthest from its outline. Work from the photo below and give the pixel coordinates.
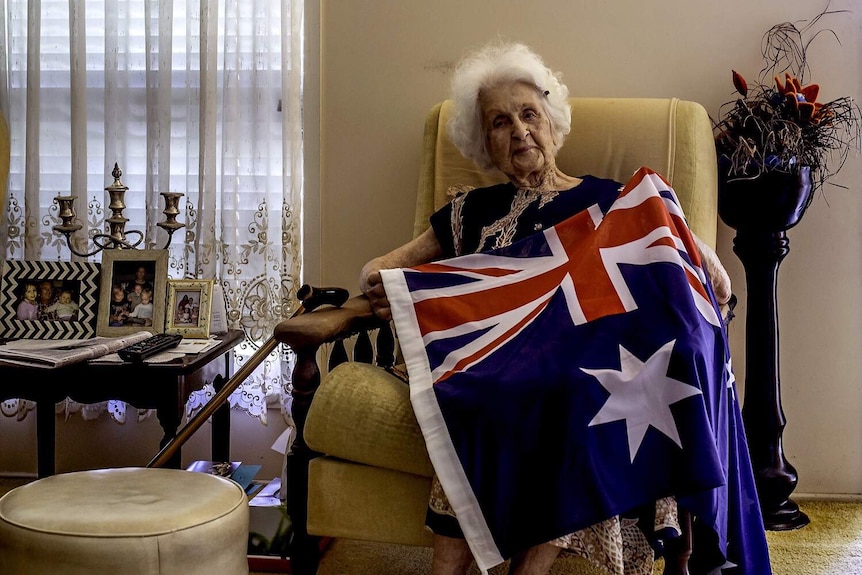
(201, 97)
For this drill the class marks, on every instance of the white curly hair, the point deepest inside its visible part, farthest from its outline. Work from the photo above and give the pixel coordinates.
(496, 64)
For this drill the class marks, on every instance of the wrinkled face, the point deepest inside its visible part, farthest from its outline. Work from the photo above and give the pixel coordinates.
(518, 133)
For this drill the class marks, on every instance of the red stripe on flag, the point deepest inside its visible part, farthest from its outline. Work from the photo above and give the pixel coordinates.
(442, 268)
(466, 361)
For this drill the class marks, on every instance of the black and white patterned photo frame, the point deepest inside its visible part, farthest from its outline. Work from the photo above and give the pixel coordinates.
(68, 311)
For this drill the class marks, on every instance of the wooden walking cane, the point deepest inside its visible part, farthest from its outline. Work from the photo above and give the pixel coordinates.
(310, 298)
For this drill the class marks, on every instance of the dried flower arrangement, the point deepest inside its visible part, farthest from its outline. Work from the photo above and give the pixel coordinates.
(778, 124)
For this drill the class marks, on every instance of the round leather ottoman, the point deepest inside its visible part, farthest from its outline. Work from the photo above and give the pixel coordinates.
(125, 521)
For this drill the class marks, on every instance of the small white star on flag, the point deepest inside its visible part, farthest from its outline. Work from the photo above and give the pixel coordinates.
(731, 378)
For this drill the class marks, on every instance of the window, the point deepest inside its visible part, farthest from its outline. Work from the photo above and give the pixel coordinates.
(193, 96)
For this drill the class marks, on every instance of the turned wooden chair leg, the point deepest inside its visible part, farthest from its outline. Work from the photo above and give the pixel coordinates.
(305, 550)
(678, 551)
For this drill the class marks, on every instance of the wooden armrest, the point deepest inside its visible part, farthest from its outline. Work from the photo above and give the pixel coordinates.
(313, 329)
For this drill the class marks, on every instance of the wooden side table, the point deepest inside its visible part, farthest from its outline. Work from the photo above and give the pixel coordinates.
(164, 387)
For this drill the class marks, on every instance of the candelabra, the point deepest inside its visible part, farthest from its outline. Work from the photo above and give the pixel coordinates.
(117, 238)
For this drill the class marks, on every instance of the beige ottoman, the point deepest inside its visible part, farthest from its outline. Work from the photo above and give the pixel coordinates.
(127, 521)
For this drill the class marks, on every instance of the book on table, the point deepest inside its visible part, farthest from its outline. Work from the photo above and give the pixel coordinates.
(59, 353)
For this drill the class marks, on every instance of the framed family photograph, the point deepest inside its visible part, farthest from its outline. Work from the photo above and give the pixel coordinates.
(189, 308)
(133, 290)
(48, 300)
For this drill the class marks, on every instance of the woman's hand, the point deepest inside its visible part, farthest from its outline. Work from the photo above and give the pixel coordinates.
(421, 250)
(717, 274)
(373, 288)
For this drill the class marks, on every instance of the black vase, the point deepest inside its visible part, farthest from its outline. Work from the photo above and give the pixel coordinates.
(771, 202)
(761, 210)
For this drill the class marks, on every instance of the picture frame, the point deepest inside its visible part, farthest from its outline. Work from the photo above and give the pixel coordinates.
(189, 308)
(129, 278)
(49, 318)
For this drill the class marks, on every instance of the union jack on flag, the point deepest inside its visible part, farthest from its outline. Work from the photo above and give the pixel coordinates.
(577, 375)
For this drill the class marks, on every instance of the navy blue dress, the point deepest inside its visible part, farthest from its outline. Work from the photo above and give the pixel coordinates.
(497, 216)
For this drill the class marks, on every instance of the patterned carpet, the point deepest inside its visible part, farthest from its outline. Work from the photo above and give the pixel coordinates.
(830, 545)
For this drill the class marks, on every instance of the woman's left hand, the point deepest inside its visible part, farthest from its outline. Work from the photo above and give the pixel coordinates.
(376, 294)
(420, 250)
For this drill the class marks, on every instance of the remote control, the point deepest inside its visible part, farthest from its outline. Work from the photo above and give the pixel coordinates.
(138, 352)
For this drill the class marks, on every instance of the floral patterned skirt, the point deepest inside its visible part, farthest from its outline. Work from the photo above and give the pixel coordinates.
(618, 545)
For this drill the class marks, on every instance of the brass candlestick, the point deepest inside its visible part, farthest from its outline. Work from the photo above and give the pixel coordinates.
(67, 214)
(172, 202)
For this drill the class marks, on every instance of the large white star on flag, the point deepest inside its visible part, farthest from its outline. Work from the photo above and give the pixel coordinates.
(641, 395)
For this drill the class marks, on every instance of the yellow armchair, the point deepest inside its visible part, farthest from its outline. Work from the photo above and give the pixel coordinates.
(359, 469)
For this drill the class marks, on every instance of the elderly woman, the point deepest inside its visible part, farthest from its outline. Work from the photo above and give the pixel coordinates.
(511, 114)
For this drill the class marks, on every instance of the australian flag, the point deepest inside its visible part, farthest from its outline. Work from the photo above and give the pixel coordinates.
(579, 374)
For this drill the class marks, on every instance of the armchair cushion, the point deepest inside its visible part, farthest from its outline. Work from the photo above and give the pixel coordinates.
(363, 414)
(358, 501)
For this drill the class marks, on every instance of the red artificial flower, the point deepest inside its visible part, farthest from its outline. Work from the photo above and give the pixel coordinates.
(801, 98)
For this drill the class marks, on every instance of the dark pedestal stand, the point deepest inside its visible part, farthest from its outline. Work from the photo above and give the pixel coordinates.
(761, 254)
(760, 211)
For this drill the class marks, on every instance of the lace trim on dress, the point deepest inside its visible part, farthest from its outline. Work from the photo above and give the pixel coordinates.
(504, 228)
(457, 228)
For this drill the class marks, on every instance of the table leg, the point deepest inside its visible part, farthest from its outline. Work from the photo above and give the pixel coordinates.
(169, 419)
(221, 426)
(45, 437)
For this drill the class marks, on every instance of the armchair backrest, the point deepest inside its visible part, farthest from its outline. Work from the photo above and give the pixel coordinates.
(611, 138)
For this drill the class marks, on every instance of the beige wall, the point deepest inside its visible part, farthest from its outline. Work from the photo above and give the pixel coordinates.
(384, 63)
